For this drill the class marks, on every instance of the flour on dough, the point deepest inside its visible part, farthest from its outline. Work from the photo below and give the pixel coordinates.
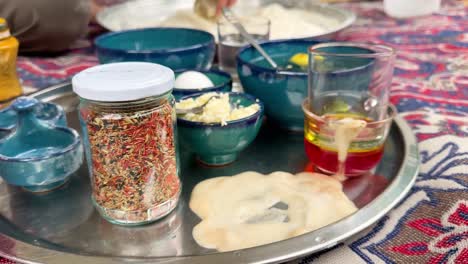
(285, 22)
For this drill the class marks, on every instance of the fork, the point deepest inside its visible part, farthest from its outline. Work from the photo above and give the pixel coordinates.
(196, 109)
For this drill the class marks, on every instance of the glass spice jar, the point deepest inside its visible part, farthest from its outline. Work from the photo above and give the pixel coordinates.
(127, 114)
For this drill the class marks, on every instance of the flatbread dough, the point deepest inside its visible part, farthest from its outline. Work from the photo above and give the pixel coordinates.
(285, 22)
(252, 209)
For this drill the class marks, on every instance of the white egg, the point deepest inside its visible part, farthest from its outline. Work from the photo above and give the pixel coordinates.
(192, 80)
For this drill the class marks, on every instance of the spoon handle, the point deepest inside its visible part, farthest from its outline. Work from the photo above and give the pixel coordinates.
(229, 15)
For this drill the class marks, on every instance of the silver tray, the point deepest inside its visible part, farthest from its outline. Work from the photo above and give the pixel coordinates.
(115, 18)
(62, 226)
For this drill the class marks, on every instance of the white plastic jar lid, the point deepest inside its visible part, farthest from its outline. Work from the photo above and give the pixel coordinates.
(123, 81)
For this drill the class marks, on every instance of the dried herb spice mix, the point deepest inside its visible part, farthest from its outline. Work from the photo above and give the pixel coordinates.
(133, 160)
(132, 153)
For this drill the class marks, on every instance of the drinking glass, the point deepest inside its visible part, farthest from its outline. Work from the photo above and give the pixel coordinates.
(349, 84)
(230, 40)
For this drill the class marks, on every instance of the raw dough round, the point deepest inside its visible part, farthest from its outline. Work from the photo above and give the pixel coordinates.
(252, 209)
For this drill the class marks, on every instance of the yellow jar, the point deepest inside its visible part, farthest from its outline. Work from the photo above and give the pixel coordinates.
(10, 86)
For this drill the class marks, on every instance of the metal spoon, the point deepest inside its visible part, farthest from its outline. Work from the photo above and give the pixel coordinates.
(196, 109)
(231, 18)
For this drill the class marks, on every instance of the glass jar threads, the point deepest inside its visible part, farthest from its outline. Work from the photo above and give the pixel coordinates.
(129, 128)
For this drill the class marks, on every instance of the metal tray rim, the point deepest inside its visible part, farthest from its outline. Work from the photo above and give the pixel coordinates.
(317, 240)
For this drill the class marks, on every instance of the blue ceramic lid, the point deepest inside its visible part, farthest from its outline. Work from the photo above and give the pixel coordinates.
(44, 111)
(123, 81)
(24, 103)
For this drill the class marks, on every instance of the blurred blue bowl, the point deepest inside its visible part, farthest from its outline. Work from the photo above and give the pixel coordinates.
(283, 92)
(222, 83)
(38, 156)
(176, 48)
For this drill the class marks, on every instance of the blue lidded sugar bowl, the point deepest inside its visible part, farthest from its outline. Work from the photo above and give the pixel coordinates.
(45, 112)
(36, 155)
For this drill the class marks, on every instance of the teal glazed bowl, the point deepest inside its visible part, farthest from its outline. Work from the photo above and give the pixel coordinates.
(217, 145)
(38, 156)
(222, 83)
(176, 48)
(282, 91)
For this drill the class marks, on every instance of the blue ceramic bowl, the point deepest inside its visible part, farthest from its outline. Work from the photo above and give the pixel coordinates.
(46, 112)
(38, 156)
(218, 145)
(283, 92)
(176, 48)
(222, 83)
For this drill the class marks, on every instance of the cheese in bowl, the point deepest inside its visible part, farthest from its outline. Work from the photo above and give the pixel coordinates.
(225, 125)
(218, 108)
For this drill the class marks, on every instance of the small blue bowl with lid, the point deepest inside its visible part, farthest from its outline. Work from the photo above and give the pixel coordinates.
(222, 83)
(176, 48)
(45, 112)
(38, 156)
